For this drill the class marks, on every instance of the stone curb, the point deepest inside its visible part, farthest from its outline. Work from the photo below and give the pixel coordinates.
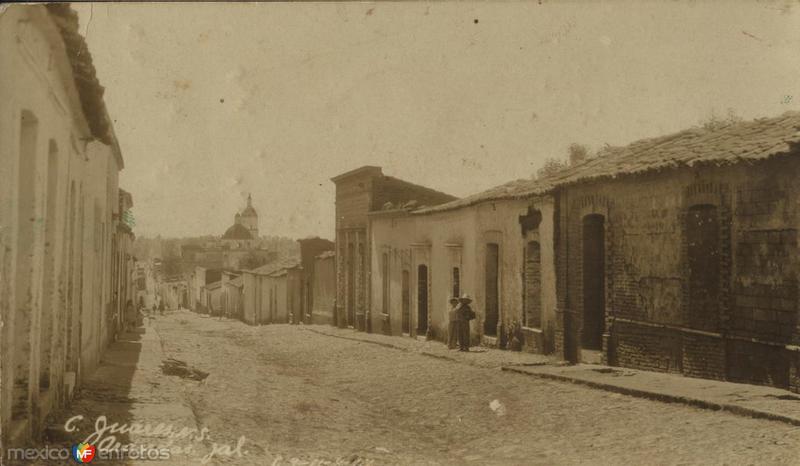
(391, 346)
(662, 397)
(634, 392)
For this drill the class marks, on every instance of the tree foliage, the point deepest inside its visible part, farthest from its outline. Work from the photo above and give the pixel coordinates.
(551, 166)
(578, 153)
(716, 121)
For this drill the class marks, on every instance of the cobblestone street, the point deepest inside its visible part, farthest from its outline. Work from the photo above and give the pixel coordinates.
(296, 394)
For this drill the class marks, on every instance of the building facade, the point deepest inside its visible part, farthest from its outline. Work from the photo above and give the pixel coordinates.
(499, 251)
(359, 192)
(679, 254)
(310, 248)
(324, 289)
(272, 294)
(62, 256)
(674, 254)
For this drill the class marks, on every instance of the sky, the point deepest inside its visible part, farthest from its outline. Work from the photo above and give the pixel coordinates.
(212, 102)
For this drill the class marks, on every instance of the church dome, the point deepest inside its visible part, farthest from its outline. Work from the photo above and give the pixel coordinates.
(237, 231)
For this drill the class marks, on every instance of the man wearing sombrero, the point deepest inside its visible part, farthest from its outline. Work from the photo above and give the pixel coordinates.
(465, 314)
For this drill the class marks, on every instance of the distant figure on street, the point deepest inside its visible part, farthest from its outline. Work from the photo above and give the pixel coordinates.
(465, 314)
(130, 315)
(452, 328)
(161, 307)
(145, 313)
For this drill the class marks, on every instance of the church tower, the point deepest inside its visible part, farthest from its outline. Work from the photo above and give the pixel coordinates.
(249, 218)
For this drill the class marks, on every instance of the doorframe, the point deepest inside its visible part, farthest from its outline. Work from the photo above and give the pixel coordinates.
(420, 255)
(495, 237)
(594, 204)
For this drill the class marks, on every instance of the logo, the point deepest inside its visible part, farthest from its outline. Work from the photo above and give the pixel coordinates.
(83, 452)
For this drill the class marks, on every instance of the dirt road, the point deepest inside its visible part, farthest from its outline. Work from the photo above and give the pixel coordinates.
(295, 395)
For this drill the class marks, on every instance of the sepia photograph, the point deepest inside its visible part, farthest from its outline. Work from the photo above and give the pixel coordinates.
(400, 233)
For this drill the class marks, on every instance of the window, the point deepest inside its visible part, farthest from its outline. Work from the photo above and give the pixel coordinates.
(533, 286)
(385, 277)
(456, 282)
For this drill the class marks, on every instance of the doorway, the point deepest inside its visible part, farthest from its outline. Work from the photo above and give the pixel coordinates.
(422, 300)
(703, 250)
(492, 289)
(406, 304)
(594, 279)
(351, 285)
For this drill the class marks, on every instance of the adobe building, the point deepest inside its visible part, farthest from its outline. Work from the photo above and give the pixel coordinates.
(63, 257)
(272, 293)
(310, 248)
(359, 192)
(323, 287)
(123, 266)
(497, 246)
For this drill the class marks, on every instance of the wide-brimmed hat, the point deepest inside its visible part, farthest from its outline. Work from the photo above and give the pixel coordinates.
(466, 297)
(453, 298)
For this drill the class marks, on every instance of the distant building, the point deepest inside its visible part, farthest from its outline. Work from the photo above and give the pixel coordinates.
(310, 248)
(244, 231)
(323, 287)
(359, 192)
(238, 248)
(272, 293)
(123, 267)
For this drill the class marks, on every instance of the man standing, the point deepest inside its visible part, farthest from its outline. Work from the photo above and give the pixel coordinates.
(452, 328)
(465, 314)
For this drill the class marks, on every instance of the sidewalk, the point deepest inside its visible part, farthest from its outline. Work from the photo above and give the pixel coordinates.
(742, 399)
(477, 356)
(129, 389)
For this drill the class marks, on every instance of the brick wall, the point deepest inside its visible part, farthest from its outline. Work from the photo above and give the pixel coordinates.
(664, 312)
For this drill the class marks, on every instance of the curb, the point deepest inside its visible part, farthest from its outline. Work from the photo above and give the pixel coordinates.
(636, 393)
(391, 346)
(663, 397)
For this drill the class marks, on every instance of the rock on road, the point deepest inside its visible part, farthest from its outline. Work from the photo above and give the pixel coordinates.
(296, 395)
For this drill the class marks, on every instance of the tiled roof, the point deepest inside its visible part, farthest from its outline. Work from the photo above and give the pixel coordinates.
(85, 75)
(733, 143)
(273, 267)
